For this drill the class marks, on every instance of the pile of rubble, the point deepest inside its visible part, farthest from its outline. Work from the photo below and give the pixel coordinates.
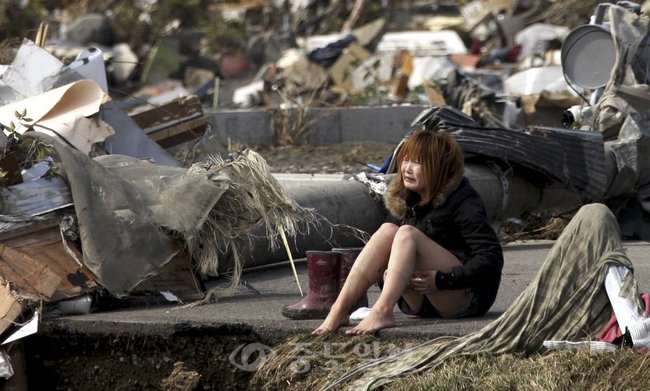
(94, 205)
(92, 192)
(499, 61)
(273, 56)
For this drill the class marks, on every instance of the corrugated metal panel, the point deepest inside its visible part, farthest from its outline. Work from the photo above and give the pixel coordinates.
(572, 159)
(552, 156)
(36, 197)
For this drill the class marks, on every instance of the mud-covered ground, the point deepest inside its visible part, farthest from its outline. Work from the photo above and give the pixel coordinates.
(343, 158)
(194, 361)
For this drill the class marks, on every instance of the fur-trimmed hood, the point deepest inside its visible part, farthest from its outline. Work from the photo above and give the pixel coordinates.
(397, 205)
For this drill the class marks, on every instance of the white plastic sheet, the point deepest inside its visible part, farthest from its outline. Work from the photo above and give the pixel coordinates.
(535, 80)
(28, 329)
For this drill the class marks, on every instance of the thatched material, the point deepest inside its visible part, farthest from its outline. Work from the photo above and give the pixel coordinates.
(252, 198)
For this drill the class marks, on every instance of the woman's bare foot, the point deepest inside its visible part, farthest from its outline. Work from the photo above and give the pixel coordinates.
(332, 323)
(374, 322)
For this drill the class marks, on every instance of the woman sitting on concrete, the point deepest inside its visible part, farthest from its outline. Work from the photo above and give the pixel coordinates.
(437, 251)
(586, 277)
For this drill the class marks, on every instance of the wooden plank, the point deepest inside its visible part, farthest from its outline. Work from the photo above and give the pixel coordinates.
(10, 310)
(75, 280)
(175, 122)
(28, 277)
(179, 108)
(182, 127)
(34, 234)
(41, 242)
(181, 133)
(177, 275)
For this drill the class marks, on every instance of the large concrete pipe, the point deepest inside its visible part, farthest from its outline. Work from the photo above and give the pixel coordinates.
(509, 196)
(349, 203)
(340, 205)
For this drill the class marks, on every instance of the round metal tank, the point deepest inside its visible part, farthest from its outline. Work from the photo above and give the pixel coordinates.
(588, 56)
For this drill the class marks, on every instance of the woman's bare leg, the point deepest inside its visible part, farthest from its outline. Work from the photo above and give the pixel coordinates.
(411, 250)
(366, 270)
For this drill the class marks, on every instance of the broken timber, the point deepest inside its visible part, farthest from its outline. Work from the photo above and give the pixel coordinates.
(35, 258)
(177, 121)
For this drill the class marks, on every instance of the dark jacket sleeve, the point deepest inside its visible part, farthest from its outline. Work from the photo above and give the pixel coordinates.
(484, 256)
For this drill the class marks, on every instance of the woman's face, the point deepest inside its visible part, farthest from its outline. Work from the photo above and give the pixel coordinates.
(412, 175)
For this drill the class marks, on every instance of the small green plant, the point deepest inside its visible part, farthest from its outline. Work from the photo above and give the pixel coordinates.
(292, 123)
(28, 151)
(23, 121)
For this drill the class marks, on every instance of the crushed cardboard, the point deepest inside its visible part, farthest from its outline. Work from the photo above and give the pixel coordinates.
(10, 311)
(341, 73)
(65, 113)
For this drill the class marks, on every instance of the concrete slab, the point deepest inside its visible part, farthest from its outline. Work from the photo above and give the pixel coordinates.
(338, 125)
(260, 314)
(251, 127)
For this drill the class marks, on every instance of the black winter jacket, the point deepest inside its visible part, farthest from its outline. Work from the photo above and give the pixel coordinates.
(456, 219)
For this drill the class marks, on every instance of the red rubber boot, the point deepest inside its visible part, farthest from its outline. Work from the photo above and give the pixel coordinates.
(348, 256)
(324, 274)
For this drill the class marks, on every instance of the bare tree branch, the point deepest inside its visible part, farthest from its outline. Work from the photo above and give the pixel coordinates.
(354, 15)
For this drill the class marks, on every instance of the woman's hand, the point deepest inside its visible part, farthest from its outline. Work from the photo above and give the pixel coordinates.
(424, 281)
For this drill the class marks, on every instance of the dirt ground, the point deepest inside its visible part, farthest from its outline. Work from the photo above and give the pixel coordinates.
(189, 361)
(343, 158)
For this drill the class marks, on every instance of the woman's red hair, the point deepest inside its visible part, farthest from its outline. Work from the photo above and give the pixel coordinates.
(441, 158)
